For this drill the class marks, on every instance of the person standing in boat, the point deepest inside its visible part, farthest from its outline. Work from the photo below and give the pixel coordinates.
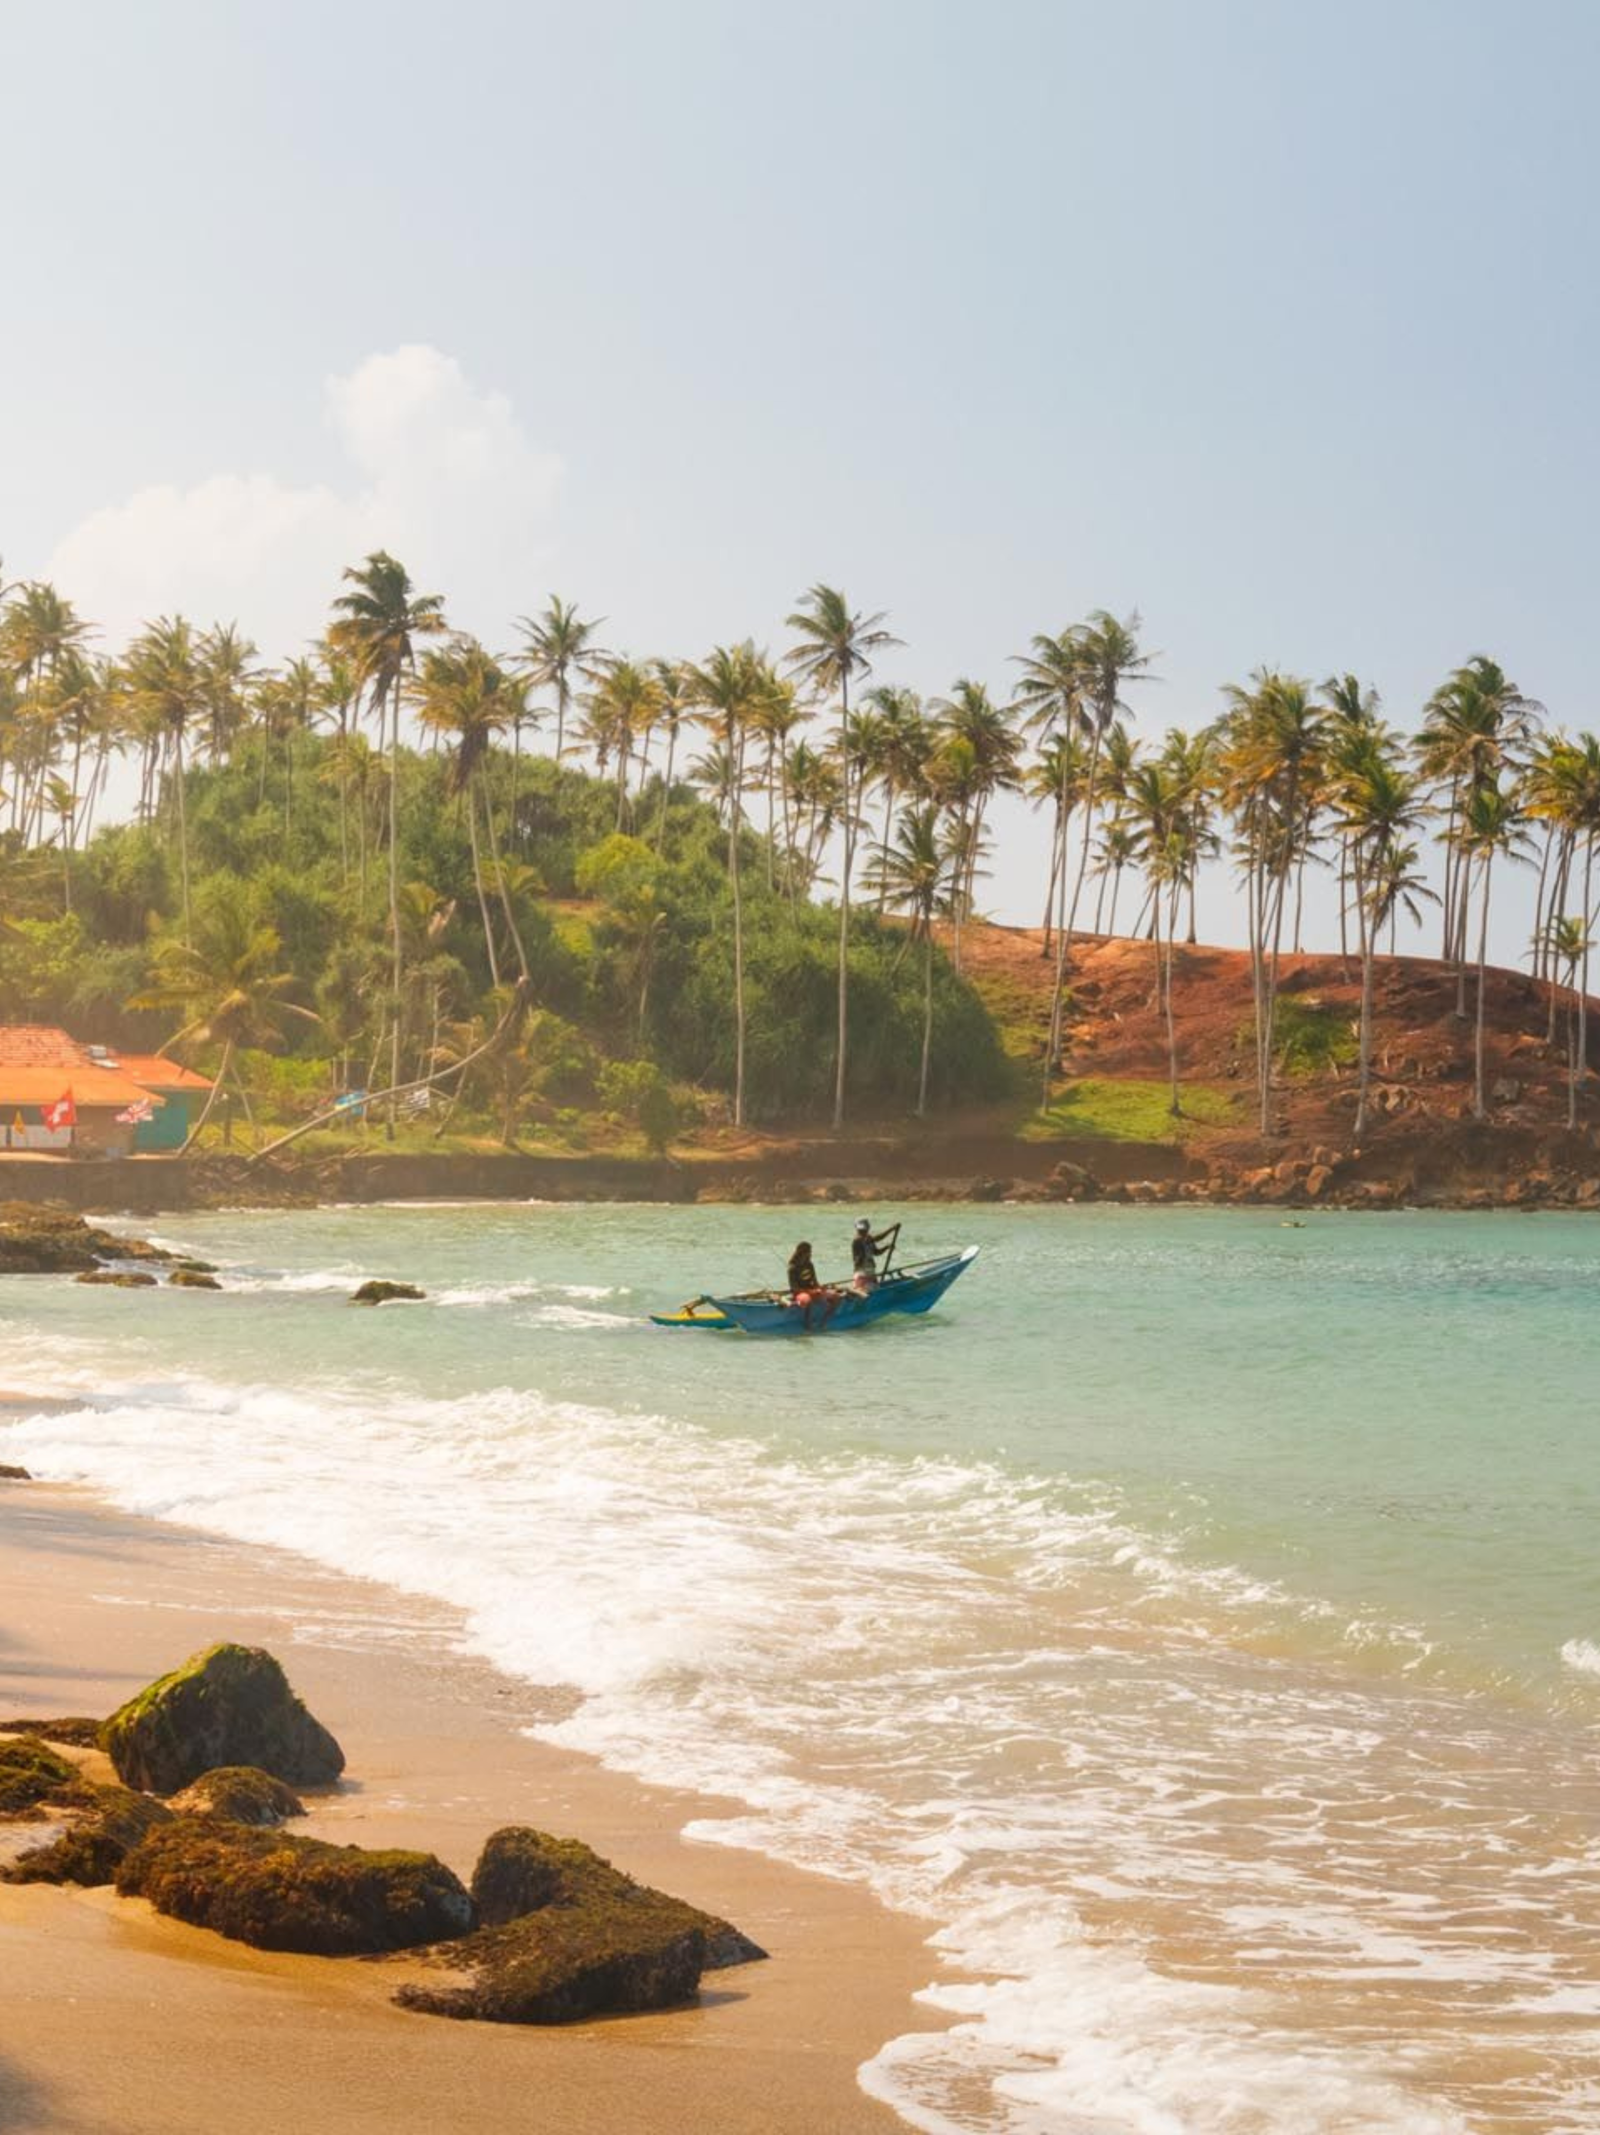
(866, 1248)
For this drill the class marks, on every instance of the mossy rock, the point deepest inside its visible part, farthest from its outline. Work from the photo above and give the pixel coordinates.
(119, 1278)
(230, 1705)
(192, 1279)
(240, 1794)
(30, 1770)
(281, 1893)
(522, 1871)
(568, 1936)
(383, 1293)
(107, 1823)
(195, 1267)
(559, 1966)
(78, 1732)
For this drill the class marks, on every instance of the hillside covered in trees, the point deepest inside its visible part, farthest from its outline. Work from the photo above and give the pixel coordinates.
(530, 891)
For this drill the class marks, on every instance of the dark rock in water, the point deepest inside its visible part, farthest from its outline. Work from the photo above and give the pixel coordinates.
(381, 1293)
(10, 1474)
(80, 1733)
(193, 1279)
(196, 1267)
(120, 1278)
(230, 1705)
(567, 1936)
(240, 1794)
(988, 1189)
(49, 1239)
(282, 1893)
(29, 1770)
(107, 1823)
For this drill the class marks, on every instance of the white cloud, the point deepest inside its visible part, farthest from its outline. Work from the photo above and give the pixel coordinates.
(438, 472)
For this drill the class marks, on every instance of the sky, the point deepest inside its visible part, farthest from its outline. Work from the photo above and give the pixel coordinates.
(1273, 323)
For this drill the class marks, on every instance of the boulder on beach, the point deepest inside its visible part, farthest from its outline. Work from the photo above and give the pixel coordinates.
(522, 1871)
(568, 1936)
(240, 1794)
(104, 1824)
(230, 1705)
(281, 1893)
(383, 1293)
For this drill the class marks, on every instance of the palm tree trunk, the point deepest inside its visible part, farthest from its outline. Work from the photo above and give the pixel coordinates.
(183, 832)
(512, 928)
(927, 1012)
(1365, 945)
(735, 752)
(666, 785)
(844, 909)
(1581, 1080)
(477, 883)
(1483, 955)
(216, 1091)
(394, 895)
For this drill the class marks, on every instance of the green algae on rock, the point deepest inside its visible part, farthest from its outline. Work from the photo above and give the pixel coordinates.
(239, 1794)
(281, 1893)
(383, 1293)
(78, 1732)
(118, 1278)
(192, 1279)
(106, 1823)
(521, 1871)
(568, 1936)
(29, 1771)
(230, 1705)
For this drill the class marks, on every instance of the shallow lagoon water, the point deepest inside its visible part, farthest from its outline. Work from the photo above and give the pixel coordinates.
(1195, 1618)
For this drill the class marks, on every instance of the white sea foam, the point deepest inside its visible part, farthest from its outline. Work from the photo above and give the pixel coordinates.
(1582, 1654)
(982, 1695)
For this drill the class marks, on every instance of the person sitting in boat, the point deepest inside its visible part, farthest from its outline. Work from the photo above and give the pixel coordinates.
(865, 1249)
(806, 1286)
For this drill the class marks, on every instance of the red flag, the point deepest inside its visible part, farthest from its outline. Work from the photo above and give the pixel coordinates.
(63, 1113)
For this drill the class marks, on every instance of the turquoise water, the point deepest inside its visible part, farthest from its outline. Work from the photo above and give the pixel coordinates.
(1196, 1619)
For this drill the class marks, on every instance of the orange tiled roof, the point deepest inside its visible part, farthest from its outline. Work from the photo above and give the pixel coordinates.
(39, 1064)
(157, 1073)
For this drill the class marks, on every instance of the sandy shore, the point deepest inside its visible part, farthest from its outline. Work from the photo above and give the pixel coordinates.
(116, 2022)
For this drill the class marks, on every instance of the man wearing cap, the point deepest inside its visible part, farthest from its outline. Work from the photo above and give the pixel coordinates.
(865, 1248)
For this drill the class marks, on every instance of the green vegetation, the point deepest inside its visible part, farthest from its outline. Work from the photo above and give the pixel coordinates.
(1311, 1037)
(1131, 1111)
(28, 1771)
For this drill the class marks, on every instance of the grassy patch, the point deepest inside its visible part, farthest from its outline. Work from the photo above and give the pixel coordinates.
(1309, 1037)
(1130, 1111)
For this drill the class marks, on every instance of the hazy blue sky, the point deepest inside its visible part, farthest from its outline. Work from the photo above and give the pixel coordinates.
(1277, 323)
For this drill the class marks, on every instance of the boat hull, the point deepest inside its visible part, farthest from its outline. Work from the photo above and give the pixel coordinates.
(899, 1293)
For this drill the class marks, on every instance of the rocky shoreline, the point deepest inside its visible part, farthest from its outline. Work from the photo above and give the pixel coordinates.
(206, 1761)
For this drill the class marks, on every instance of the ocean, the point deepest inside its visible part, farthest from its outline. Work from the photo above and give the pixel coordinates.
(1195, 1620)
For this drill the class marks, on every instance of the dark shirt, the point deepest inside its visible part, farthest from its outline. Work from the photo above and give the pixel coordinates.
(864, 1251)
(802, 1273)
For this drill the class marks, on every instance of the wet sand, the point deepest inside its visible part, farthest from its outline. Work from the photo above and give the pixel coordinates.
(114, 2021)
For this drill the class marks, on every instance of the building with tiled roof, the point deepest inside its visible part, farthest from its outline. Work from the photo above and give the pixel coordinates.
(40, 1066)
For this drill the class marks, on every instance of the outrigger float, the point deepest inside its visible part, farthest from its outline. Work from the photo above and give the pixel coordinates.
(838, 1311)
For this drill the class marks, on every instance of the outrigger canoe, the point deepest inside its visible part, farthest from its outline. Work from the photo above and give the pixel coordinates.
(914, 1289)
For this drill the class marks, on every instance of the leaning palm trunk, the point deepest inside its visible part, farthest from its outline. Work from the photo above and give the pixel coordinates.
(1070, 917)
(477, 884)
(512, 928)
(394, 894)
(216, 1091)
(1581, 1078)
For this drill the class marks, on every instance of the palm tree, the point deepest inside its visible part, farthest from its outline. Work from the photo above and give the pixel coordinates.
(1490, 823)
(969, 716)
(730, 685)
(463, 692)
(1375, 803)
(914, 874)
(1051, 697)
(1156, 806)
(227, 982)
(378, 622)
(165, 683)
(559, 652)
(1271, 766)
(623, 705)
(836, 647)
(672, 708)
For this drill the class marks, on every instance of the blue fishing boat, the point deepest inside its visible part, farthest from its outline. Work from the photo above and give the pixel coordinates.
(838, 1310)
